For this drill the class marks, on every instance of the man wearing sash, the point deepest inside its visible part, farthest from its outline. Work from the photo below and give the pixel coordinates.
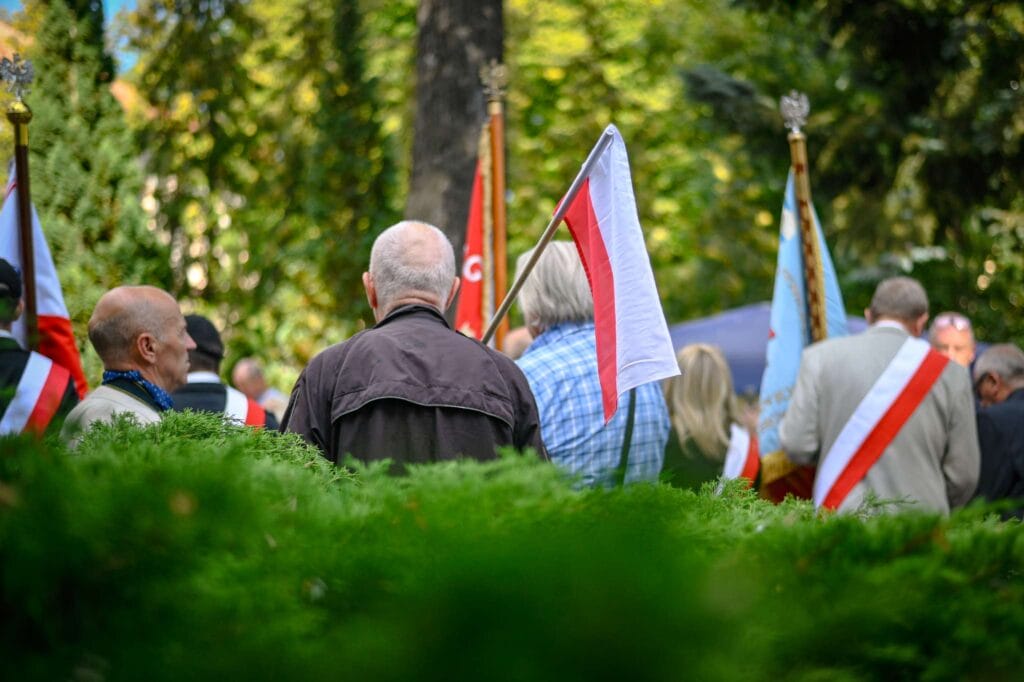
(35, 392)
(204, 391)
(883, 415)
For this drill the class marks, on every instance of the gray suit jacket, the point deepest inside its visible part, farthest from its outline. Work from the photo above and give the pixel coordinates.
(932, 463)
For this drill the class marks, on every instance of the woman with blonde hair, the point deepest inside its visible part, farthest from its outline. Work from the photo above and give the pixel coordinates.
(708, 439)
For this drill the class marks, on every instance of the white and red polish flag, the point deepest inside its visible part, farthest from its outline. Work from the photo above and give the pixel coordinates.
(56, 339)
(633, 344)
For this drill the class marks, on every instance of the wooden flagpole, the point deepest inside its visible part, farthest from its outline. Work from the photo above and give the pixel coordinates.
(779, 474)
(795, 108)
(487, 300)
(495, 78)
(17, 73)
(549, 232)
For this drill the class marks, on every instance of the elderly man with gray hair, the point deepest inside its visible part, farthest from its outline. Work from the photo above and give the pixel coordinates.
(410, 389)
(883, 414)
(561, 366)
(999, 381)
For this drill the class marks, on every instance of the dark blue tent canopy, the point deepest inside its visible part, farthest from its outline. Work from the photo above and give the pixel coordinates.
(742, 334)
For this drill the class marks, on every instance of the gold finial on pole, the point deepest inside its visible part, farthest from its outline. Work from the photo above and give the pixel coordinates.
(18, 74)
(494, 76)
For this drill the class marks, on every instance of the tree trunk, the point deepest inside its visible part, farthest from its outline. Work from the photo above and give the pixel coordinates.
(456, 38)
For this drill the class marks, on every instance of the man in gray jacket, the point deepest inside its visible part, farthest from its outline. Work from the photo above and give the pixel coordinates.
(883, 415)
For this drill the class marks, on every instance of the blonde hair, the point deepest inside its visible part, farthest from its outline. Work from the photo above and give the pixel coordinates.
(701, 402)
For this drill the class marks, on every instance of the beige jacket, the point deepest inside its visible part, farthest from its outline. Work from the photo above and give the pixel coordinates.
(100, 406)
(933, 462)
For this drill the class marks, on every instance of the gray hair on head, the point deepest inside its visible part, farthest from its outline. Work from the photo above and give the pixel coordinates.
(557, 290)
(1005, 360)
(901, 298)
(412, 258)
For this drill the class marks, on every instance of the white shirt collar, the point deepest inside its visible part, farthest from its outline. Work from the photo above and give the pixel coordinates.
(892, 324)
(203, 378)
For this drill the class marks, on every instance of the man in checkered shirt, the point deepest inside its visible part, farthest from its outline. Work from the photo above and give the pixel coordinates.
(561, 367)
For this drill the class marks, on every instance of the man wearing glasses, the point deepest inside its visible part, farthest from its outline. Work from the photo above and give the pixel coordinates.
(951, 334)
(999, 383)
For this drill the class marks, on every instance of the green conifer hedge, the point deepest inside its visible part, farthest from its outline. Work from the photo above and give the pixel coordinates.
(194, 550)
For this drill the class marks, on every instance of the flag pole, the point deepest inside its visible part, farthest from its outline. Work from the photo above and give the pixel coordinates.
(495, 79)
(549, 232)
(795, 108)
(779, 474)
(18, 74)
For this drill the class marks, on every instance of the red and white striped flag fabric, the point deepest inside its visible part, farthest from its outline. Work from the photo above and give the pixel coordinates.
(633, 344)
(56, 339)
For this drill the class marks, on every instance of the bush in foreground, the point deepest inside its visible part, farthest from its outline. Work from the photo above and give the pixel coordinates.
(194, 550)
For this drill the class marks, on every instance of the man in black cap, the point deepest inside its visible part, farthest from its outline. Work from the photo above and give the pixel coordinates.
(35, 392)
(205, 392)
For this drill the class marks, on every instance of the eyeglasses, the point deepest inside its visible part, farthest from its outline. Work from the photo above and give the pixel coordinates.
(954, 320)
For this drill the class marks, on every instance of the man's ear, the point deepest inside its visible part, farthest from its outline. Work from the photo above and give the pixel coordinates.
(451, 294)
(146, 346)
(920, 324)
(868, 316)
(371, 290)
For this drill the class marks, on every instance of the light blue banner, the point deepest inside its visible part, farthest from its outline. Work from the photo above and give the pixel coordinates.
(790, 329)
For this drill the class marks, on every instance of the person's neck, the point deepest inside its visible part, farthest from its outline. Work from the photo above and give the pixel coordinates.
(383, 312)
(145, 373)
(894, 323)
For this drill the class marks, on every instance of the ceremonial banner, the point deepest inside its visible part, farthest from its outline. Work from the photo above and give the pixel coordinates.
(633, 344)
(476, 294)
(56, 339)
(790, 329)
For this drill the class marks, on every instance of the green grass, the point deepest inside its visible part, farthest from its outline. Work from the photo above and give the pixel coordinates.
(193, 550)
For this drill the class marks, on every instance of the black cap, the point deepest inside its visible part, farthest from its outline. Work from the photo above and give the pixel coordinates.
(205, 335)
(10, 281)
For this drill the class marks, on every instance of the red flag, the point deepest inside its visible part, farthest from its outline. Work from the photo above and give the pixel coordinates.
(633, 344)
(56, 339)
(469, 316)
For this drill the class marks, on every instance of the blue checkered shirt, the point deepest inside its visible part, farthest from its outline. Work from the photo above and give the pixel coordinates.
(561, 366)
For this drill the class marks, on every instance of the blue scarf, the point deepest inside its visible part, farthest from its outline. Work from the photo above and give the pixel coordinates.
(159, 395)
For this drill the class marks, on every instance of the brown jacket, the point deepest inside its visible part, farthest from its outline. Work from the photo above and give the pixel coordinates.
(412, 390)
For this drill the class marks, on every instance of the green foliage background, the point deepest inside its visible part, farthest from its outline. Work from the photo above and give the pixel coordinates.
(275, 140)
(195, 550)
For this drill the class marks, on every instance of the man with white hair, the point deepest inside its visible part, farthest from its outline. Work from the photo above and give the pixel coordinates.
(999, 381)
(411, 389)
(883, 414)
(561, 366)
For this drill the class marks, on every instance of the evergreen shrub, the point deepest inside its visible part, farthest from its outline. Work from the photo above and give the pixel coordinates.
(195, 550)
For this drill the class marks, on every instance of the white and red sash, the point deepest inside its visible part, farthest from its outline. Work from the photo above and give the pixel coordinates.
(877, 420)
(37, 397)
(742, 458)
(243, 410)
